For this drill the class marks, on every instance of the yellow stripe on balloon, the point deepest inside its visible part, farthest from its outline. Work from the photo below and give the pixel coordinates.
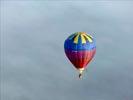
(83, 39)
(76, 39)
(88, 38)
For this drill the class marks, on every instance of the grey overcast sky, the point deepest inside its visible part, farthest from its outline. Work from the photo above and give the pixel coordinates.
(33, 63)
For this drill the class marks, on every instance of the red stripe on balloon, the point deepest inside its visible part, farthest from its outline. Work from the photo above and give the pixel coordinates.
(80, 59)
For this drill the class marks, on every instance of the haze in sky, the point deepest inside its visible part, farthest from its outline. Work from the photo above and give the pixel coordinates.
(33, 62)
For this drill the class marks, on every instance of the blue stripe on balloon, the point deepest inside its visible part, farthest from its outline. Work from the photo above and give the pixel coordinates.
(70, 45)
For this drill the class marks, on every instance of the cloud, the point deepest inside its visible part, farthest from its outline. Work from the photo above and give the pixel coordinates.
(33, 59)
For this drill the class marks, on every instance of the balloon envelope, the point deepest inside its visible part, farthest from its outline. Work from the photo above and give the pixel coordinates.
(80, 49)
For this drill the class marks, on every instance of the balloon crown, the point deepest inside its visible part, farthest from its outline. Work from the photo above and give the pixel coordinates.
(82, 35)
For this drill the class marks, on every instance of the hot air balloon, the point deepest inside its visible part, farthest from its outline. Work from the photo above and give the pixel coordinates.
(80, 48)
